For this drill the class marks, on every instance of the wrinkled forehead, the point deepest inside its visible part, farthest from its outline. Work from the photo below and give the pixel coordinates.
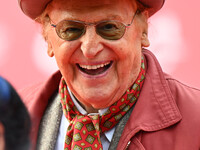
(82, 3)
(86, 4)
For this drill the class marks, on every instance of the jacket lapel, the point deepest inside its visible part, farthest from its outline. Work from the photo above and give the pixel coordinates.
(155, 109)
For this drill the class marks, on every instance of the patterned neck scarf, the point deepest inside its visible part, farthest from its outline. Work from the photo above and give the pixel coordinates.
(84, 130)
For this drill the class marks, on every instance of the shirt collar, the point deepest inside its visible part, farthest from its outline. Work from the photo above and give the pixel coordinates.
(81, 109)
(109, 133)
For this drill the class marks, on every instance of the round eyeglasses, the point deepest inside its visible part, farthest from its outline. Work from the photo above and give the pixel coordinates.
(70, 30)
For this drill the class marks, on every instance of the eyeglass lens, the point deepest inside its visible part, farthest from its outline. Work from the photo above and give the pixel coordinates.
(72, 30)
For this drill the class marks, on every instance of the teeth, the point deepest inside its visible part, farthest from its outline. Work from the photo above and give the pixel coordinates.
(89, 67)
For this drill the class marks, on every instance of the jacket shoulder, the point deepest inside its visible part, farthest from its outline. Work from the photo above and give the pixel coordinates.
(30, 92)
(186, 97)
(40, 91)
(180, 88)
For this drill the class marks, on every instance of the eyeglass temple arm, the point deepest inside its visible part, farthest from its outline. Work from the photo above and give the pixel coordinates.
(53, 25)
(133, 18)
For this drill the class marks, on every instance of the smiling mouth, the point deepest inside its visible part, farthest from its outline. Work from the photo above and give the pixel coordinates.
(95, 69)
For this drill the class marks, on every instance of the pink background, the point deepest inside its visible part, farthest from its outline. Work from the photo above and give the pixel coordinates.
(173, 32)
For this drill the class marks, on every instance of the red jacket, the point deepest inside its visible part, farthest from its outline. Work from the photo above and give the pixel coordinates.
(165, 117)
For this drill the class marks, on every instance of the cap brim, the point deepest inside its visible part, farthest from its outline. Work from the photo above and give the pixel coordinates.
(152, 5)
(33, 8)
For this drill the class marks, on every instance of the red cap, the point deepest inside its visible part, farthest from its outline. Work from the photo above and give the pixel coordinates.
(33, 8)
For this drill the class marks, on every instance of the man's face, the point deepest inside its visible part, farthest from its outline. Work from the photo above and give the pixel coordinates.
(97, 71)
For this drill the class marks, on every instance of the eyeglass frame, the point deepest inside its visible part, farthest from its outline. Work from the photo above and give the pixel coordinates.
(94, 24)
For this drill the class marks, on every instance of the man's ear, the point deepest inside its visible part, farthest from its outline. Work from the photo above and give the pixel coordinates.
(50, 51)
(145, 40)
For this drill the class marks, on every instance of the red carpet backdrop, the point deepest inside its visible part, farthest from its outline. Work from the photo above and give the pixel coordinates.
(173, 32)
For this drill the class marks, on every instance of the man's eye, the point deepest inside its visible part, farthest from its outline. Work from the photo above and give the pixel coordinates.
(74, 30)
(109, 27)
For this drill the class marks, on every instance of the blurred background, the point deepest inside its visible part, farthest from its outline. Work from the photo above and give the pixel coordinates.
(173, 32)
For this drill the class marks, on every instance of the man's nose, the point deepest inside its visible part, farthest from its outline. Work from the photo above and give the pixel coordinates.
(91, 44)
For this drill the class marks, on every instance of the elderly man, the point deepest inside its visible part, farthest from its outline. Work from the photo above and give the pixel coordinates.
(113, 92)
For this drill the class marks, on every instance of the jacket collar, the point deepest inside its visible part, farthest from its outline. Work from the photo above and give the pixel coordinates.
(156, 108)
(36, 99)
